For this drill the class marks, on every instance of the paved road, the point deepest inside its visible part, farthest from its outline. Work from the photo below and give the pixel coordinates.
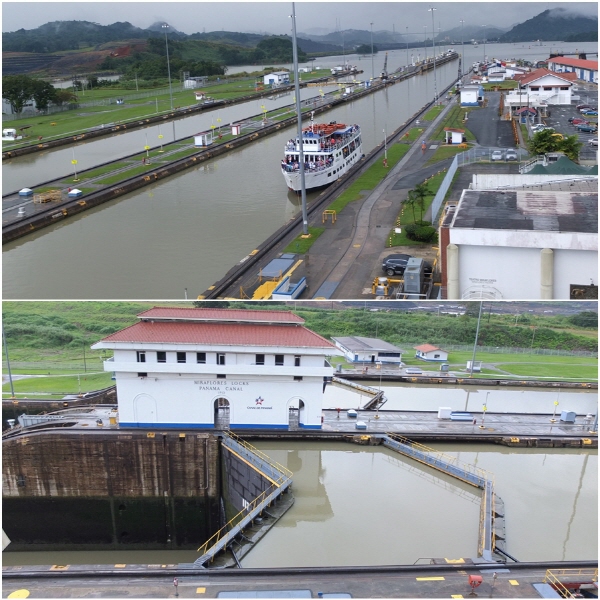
(486, 126)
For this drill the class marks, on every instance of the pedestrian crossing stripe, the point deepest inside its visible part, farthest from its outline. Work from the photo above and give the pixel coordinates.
(513, 582)
(200, 590)
(431, 579)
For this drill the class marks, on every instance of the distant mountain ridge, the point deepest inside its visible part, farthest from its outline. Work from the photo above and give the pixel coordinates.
(555, 24)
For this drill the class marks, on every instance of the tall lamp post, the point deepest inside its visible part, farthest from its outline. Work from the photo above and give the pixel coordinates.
(425, 40)
(372, 63)
(435, 95)
(407, 47)
(165, 27)
(484, 39)
(462, 46)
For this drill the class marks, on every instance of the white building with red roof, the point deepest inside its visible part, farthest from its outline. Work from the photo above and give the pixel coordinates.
(541, 88)
(431, 353)
(586, 70)
(202, 367)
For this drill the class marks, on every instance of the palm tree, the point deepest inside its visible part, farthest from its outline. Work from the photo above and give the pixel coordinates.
(411, 201)
(421, 191)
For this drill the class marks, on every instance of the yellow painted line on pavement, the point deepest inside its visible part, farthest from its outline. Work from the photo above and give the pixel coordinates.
(458, 596)
(19, 594)
(431, 579)
(513, 582)
(455, 561)
(200, 590)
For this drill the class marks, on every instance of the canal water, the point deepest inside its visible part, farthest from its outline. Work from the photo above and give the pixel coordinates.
(409, 397)
(357, 505)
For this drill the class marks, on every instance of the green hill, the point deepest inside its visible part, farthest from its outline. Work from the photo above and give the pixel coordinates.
(550, 25)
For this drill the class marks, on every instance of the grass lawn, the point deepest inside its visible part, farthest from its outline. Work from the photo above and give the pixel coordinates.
(444, 152)
(370, 179)
(523, 365)
(60, 385)
(302, 245)
(501, 85)
(432, 113)
(412, 135)
(126, 174)
(454, 119)
(406, 215)
(524, 132)
(102, 170)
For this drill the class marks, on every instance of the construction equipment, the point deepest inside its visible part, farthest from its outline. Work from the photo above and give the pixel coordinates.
(384, 73)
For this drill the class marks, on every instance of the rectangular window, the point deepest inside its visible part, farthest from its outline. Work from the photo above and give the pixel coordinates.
(534, 88)
(260, 359)
(201, 358)
(297, 377)
(141, 356)
(220, 359)
(161, 357)
(142, 375)
(221, 376)
(279, 360)
(296, 361)
(181, 358)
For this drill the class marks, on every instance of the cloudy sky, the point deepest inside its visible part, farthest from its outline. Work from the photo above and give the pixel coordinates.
(273, 17)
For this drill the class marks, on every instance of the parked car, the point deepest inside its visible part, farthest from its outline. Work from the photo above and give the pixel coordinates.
(511, 154)
(497, 155)
(593, 142)
(538, 126)
(577, 121)
(395, 264)
(590, 113)
(580, 106)
(587, 128)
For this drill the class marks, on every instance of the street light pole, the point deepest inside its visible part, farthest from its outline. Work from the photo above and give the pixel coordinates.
(425, 41)
(435, 95)
(462, 49)
(407, 47)
(372, 63)
(165, 26)
(484, 39)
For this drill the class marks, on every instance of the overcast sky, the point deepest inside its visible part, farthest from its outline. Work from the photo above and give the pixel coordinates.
(273, 17)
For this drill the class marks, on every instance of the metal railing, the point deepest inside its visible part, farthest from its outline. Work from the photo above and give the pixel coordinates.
(555, 578)
(438, 460)
(281, 480)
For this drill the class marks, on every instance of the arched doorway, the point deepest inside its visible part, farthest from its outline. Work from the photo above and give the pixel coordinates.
(144, 409)
(222, 413)
(295, 412)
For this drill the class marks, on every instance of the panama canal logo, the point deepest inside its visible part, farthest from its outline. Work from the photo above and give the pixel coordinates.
(258, 404)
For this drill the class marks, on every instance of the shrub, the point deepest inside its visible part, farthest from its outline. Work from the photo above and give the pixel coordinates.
(425, 234)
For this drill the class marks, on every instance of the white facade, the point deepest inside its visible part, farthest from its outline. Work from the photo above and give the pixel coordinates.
(277, 78)
(431, 353)
(470, 94)
(548, 89)
(586, 70)
(368, 350)
(540, 249)
(198, 372)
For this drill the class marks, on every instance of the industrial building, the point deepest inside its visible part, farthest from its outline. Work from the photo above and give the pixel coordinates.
(368, 350)
(526, 243)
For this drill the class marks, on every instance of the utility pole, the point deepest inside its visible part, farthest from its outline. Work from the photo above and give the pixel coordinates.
(372, 63)
(435, 94)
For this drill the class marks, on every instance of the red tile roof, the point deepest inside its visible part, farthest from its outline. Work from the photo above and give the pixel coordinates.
(225, 334)
(575, 62)
(539, 73)
(426, 348)
(220, 314)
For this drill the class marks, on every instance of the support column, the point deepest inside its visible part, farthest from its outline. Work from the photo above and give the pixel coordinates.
(452, 287)
(547, 274)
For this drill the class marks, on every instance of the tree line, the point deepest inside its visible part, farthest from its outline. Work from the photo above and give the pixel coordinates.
(18, 90)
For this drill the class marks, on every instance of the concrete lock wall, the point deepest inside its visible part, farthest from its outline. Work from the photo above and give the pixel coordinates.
(242, 482)
(106, 490)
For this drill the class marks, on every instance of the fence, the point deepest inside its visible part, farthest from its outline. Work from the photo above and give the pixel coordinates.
(505, 350)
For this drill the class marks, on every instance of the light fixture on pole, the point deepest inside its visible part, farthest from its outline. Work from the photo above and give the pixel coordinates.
(482, 426)
(299, 124)
(462, 48)
(484, 39)
(74, 163)
(435, 95)
(372, 63)
(425, 40)
(165, 26)
(407, 47)
(385, 149)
